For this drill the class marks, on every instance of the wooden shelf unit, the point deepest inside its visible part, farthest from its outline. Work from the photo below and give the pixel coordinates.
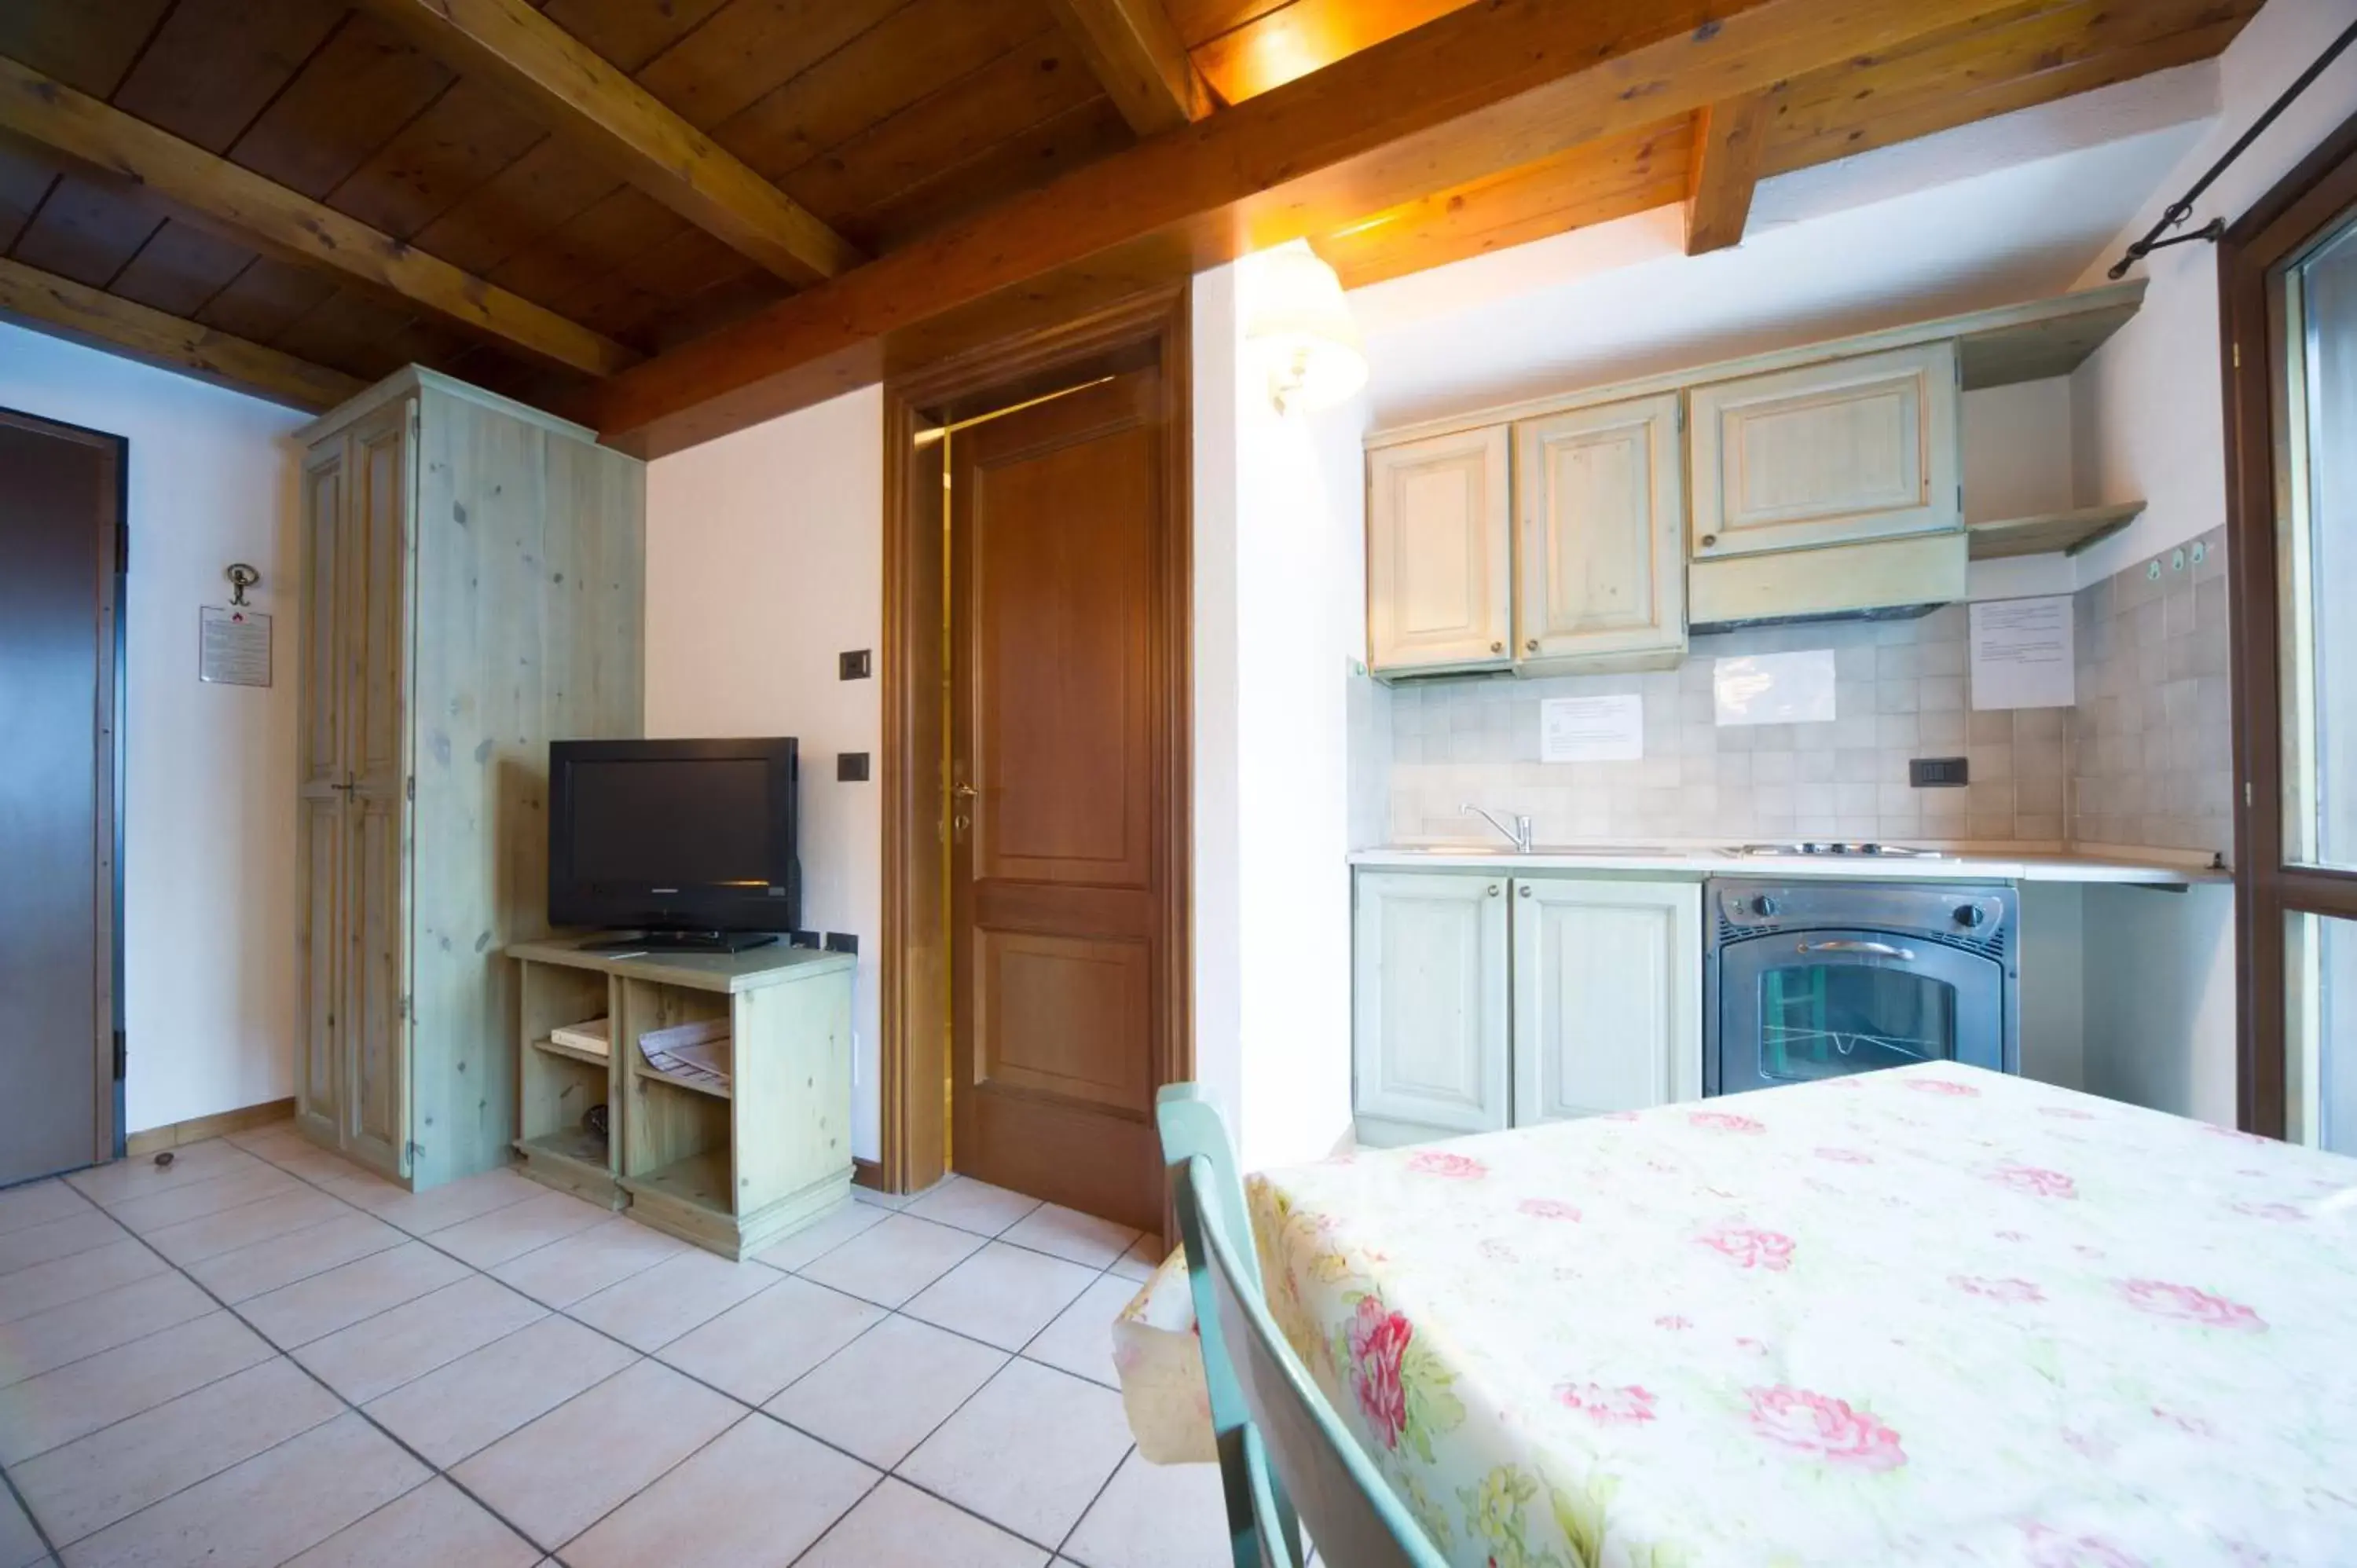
(2067, 531)
(731, 1170)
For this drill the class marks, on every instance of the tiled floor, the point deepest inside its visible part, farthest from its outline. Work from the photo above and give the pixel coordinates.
(262, 1354)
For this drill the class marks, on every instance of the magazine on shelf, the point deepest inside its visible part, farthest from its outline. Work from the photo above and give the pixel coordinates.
(592, 1036)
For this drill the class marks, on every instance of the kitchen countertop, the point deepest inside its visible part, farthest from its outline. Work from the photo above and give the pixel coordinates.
(2147, 868)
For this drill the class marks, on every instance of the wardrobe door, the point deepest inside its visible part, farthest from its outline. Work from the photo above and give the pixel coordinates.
(375, 551)
(320, 799)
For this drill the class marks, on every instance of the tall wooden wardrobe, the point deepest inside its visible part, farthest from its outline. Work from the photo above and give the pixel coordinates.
(473, 582)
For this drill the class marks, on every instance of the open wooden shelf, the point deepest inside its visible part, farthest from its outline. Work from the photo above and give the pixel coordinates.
(693, 1086)
(572, 1146)
(2067, 531)
(558, 1049)
(700, 1181)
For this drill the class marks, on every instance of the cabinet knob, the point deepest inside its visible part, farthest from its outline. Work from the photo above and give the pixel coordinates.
(1708, 539)
(1525, 889)
(1532, 645)
(1497, 647)
(1493, 890)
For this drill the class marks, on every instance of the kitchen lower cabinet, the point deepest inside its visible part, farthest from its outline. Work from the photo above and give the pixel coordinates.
(1429, 1002)
(1607, 995)
(1482, 1001)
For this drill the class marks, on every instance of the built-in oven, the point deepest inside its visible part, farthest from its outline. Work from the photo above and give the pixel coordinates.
(1811, 979)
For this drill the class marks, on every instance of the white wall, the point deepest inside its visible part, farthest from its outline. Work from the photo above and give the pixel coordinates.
(764, 562)
(208, 825)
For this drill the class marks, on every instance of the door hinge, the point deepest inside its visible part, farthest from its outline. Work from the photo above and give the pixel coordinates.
(2246, 794)
(119, 1056)
(1682, 413)
(2238, 356)
(409, 788)
(122, 548)
(401, 1007)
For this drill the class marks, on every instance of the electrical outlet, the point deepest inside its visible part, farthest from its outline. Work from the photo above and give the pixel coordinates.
(1938, 772)
(801, 939)
(851, 767)
(852, 666)
(843, 942)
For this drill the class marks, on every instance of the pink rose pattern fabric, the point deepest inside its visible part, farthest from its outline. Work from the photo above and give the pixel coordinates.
(1862, 1320)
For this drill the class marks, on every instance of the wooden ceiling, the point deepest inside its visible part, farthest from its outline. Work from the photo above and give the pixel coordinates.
(675, 216)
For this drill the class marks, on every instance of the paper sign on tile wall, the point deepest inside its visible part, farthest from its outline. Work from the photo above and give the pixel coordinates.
(2022, 653)
(1774, 688)
(1592, 729)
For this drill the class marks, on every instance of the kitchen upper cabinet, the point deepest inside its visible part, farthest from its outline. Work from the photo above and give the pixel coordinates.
(1600, 574)
(1429, 1005)
(1438, 554)
(1608, 997)
(1836, 453)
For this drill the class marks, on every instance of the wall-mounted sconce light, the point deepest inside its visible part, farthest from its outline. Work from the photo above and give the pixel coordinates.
(1297, 326)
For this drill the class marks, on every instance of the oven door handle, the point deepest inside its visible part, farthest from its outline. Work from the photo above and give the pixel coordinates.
(1879, 950)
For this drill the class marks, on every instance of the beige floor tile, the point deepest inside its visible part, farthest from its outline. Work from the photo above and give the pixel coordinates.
(20, 1544)
(891, 1262)
(57, 1239)
(436, 1526)
(652, 1309)
(753, 1497)
(297, 1255)
(227, 1230)
(584, 1264)
(439, 1208)
(38, 1203)
(1002, 1295)
(765, 1341)
(41, 1412)
(270, 1508)
(377, 1355)
(897, 1525)
(882, 1200)
(1069, 1433)
(479, 1398)
(814, 1241)
(556, 1476)
(112, 1473)
(246, 1138)
(126, 1179)
(490, 1239)
(31, 1345)
(313, 1308)
(85, 1275)
(235, 1188)
(880, 1395)
(1068, 1234)
(1144, 1256)
(973, 1205)
(1155, 1516)
(1080, 1339)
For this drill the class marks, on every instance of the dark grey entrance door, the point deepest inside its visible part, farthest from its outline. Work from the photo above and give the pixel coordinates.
(60, 506)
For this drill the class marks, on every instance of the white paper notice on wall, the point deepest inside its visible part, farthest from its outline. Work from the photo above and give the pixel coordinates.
(1774, 688)
(2022, 653)
(1592, 729)
(233, 647)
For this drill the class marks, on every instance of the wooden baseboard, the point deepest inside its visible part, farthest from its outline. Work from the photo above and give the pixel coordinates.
(868, 1174)
(155, 1139)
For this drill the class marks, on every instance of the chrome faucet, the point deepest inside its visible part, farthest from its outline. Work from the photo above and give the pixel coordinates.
(1520, 833)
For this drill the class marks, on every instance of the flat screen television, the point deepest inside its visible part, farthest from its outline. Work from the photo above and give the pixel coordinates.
(685, 843)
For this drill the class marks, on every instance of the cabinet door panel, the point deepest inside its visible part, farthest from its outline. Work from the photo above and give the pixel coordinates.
(322, 767)
(1438, 578)
(1608, 997)
(1602, 513)
(1831, 453)
(1429, 1001)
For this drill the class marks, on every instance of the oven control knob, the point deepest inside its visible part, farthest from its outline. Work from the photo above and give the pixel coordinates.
(1763, 906)
(1971, 915)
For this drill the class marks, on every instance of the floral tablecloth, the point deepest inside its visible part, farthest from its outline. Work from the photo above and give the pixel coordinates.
(1933, 1315)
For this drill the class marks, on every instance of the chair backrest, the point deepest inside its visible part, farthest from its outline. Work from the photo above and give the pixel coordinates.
(1265, 1412)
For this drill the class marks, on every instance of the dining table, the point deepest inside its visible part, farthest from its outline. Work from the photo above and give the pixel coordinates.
(1934, 1315)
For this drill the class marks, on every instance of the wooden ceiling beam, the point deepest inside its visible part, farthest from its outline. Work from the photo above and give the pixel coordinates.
(563, 81)
(260, 211)
(1729, 138)
(1487, 87)
(76, 310)
(1137, 56)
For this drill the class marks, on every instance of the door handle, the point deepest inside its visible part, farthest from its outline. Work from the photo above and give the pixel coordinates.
(1879, 950)
(964, 791)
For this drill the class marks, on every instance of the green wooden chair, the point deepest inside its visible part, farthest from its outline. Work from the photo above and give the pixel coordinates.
(1279, 1440)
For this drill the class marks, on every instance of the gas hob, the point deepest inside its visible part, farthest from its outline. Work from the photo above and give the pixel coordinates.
(1830, 847)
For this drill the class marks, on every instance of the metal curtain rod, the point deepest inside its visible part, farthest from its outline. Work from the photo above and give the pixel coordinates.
(2182, 208)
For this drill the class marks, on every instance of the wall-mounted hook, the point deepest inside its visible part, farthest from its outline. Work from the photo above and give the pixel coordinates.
(241, 577)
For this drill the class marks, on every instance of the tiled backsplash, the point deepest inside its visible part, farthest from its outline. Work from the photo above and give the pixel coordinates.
(1899, 694)
(2153, 760)
(2142, 761)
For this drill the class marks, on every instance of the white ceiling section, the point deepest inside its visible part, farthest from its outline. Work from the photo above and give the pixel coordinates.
(2007, 209)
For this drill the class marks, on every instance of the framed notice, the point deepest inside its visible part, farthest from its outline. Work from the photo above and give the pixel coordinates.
(233, 647)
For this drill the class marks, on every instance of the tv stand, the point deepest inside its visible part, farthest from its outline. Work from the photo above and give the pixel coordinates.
(685, 941)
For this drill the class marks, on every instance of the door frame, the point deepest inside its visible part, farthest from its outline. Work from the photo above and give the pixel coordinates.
(2277, 226)
(913, 957)
(115, 545)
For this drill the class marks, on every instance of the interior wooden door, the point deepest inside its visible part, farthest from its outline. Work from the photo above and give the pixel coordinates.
(321, 793)
(374, 551)
(1059, 756)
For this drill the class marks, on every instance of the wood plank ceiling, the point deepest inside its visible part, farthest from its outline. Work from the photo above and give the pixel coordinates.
(535, 196)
